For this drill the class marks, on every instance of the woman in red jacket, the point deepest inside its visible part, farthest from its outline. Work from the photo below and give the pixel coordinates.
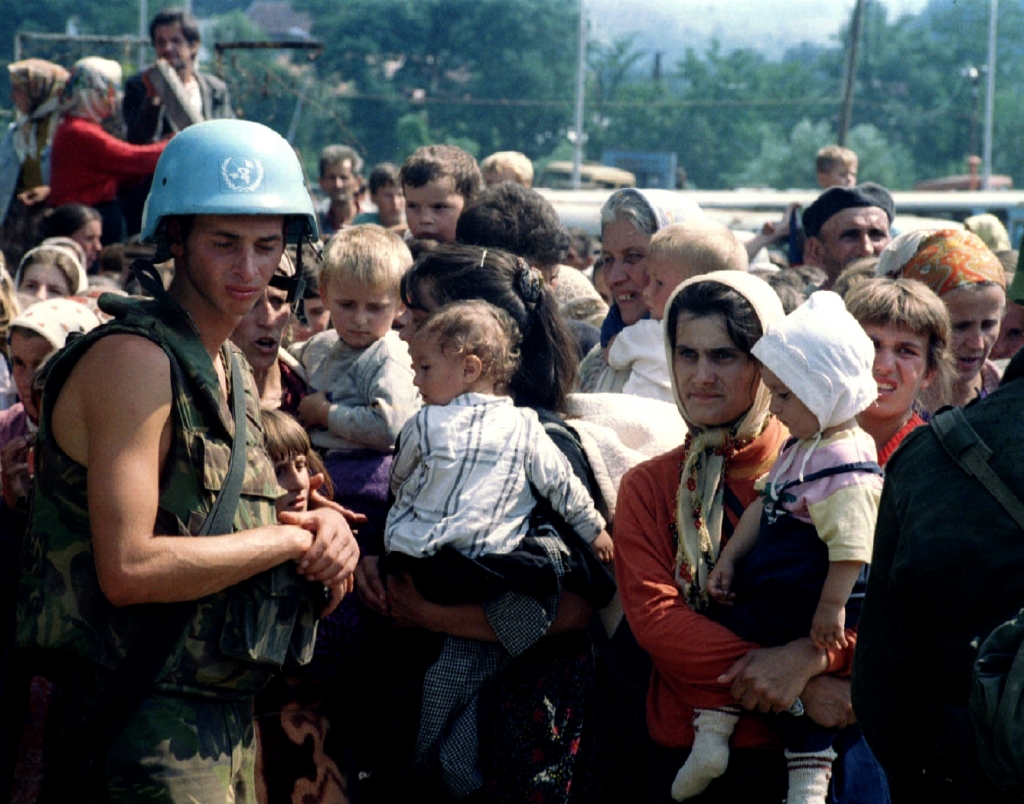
(674, 513)
(86, 163)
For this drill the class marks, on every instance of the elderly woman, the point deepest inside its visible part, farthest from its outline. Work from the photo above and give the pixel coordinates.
(674, 514)
(628, 220)
(87, 162)
(968, 277)
(36, 86)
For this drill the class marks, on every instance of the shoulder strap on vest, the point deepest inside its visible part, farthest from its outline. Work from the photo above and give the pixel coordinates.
(972, 454)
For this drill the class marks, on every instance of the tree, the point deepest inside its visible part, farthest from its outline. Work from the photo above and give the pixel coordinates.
(494, 74)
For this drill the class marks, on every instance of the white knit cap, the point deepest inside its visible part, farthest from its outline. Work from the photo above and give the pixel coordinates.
(823, 356)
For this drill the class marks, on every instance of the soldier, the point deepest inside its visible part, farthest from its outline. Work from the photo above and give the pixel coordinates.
(156, 630)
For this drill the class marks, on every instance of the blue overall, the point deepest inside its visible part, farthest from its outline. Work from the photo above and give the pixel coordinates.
(778, 586)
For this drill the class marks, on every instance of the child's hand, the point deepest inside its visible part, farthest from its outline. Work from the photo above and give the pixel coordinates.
(603, 547)
(828, 626)
(313, 409)
(720, 583)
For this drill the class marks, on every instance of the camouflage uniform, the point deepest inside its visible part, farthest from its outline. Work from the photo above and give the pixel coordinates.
(192, 738)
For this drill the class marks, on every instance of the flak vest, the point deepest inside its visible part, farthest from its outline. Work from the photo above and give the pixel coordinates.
(235, 638)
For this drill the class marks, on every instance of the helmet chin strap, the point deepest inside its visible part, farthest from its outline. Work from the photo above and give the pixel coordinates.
(296, 285)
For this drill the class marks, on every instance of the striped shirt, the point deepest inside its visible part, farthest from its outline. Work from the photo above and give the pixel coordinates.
(466, 473)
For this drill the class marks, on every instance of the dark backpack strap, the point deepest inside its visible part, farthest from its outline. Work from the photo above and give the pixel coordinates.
(972, 454)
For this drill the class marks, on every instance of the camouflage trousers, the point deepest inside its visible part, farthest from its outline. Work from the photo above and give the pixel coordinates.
(179, 750)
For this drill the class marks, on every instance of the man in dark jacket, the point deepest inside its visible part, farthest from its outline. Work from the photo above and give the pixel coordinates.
(947, 568)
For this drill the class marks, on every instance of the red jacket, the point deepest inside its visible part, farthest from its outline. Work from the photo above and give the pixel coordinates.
(689, 650)
(87, 163)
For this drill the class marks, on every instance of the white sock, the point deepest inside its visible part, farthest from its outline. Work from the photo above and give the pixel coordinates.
(809, 775)
(710, 755)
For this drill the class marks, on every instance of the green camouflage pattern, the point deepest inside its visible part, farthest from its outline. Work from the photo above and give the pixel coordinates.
(236, 637)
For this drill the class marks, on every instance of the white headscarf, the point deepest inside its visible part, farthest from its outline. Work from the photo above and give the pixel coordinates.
(700, 500)
(93, 88)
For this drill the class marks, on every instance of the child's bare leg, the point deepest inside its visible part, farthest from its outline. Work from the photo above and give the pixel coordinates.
(710, 755)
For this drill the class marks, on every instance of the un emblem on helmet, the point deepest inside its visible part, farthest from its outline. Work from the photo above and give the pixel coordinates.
(241, 174)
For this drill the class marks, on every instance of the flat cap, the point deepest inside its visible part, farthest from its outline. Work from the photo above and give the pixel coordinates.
(836, 199)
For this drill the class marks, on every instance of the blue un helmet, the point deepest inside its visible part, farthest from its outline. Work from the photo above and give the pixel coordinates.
(228, 167)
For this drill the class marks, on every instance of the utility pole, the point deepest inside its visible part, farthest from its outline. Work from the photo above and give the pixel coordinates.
(990, 92)
(846, 115)
(579, 138)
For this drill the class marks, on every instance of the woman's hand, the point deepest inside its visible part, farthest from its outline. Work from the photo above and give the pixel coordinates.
(826, 701)
(770, 679)
(35, 195)
(409, 609)
(16, 475)
(370, 587)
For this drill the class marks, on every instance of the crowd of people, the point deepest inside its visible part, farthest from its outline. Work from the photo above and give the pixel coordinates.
(415, 494)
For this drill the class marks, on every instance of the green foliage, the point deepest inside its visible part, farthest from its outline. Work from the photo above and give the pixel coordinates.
(500, 74)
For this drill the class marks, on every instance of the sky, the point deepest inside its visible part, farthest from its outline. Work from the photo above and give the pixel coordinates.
(766, 25)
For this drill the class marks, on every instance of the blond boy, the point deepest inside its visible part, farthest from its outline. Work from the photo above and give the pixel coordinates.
(359, 369)
(507, 166)
(836, 166)
(676, 253)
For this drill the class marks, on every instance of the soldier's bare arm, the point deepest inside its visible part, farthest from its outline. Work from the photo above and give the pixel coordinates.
(113, 416)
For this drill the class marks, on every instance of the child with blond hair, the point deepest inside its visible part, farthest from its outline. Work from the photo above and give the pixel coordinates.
(359, 369)
(676, 253)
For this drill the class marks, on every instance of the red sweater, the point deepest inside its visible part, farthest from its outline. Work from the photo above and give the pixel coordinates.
(87, 163)
(689, 650)
(885, 453)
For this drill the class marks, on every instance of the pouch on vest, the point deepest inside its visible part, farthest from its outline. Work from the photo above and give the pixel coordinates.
(269, 619)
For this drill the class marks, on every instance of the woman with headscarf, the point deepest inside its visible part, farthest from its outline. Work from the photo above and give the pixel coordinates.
(628, 220)
(968, 277)
(53, 269)
(36, 87)
(674, 514)
(88, 163)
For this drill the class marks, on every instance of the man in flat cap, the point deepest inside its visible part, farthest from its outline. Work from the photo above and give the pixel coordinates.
(846, 223)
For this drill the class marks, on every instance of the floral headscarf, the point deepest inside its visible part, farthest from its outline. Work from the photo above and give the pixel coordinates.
(700, 504)
(92, 89)
(43, 82)
(944, 260)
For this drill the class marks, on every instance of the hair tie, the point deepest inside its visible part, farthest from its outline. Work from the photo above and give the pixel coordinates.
(527, 281)
(482, 258)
